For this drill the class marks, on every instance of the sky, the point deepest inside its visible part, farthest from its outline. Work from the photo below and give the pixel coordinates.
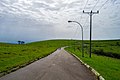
(36, 20)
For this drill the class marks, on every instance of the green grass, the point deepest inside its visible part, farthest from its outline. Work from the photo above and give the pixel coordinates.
(108, 67)
(14, 55)
(109, 48)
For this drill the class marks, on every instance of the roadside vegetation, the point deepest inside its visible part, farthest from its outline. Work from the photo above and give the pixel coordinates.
(104, 58)
(110, 48)
(15, 56)
(105, 55)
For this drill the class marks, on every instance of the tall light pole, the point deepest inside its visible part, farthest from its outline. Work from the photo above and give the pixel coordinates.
(82, 36)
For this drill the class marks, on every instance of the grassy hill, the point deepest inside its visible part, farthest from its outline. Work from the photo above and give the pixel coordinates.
(15, 56)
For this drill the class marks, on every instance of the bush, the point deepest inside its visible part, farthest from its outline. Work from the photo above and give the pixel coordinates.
(109, 54)
(117, 44)
(99, 52)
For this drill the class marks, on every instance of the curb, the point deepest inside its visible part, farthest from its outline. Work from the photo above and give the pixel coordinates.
(99, 77)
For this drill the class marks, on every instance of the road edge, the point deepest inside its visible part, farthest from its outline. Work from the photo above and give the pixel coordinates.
(99, 77)
(23, 65)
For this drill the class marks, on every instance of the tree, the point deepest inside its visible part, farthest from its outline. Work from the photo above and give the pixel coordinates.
(19, 42)
(22, 42)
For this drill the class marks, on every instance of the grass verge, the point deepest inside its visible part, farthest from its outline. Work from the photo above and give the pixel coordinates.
(106, 66)
(14, 56)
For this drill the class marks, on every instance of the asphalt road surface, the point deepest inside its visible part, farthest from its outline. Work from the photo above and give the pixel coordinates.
(60, 65)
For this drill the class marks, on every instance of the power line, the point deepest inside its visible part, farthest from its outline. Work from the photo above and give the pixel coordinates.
(85, 4)
(83, 9)
(92, 9)
(87, 17)
(103, 5)
(95, 4)
(75, 32)
(81, 17)
(91, 13)
(85, 23)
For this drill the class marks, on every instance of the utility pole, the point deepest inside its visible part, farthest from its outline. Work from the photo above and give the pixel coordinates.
(90, 13)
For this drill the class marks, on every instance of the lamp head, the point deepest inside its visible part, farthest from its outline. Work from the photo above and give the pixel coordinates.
(69, 21)
(83, 11)
(97, 11)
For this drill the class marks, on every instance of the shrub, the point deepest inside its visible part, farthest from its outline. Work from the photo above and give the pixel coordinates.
(109, 54)
(117, 44)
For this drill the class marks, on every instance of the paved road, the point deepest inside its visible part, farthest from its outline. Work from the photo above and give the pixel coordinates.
(60, 65)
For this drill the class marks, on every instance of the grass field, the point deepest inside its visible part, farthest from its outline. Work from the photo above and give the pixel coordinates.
(14, 56)
(107, 48)
(110, 48)
(108, 67)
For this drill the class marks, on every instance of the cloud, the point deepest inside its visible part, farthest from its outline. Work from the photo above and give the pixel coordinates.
(20, 28)
(32, 20)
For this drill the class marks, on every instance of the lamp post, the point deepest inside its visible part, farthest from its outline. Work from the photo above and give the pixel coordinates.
(82, 36)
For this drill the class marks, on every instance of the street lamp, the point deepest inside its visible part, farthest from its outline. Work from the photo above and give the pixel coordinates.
(82, 36)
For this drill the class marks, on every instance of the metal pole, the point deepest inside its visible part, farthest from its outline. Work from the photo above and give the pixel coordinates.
(82, 45)
(82, 36)
(82, 40)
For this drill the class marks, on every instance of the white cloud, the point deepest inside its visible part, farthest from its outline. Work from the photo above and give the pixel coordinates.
(44, 19)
